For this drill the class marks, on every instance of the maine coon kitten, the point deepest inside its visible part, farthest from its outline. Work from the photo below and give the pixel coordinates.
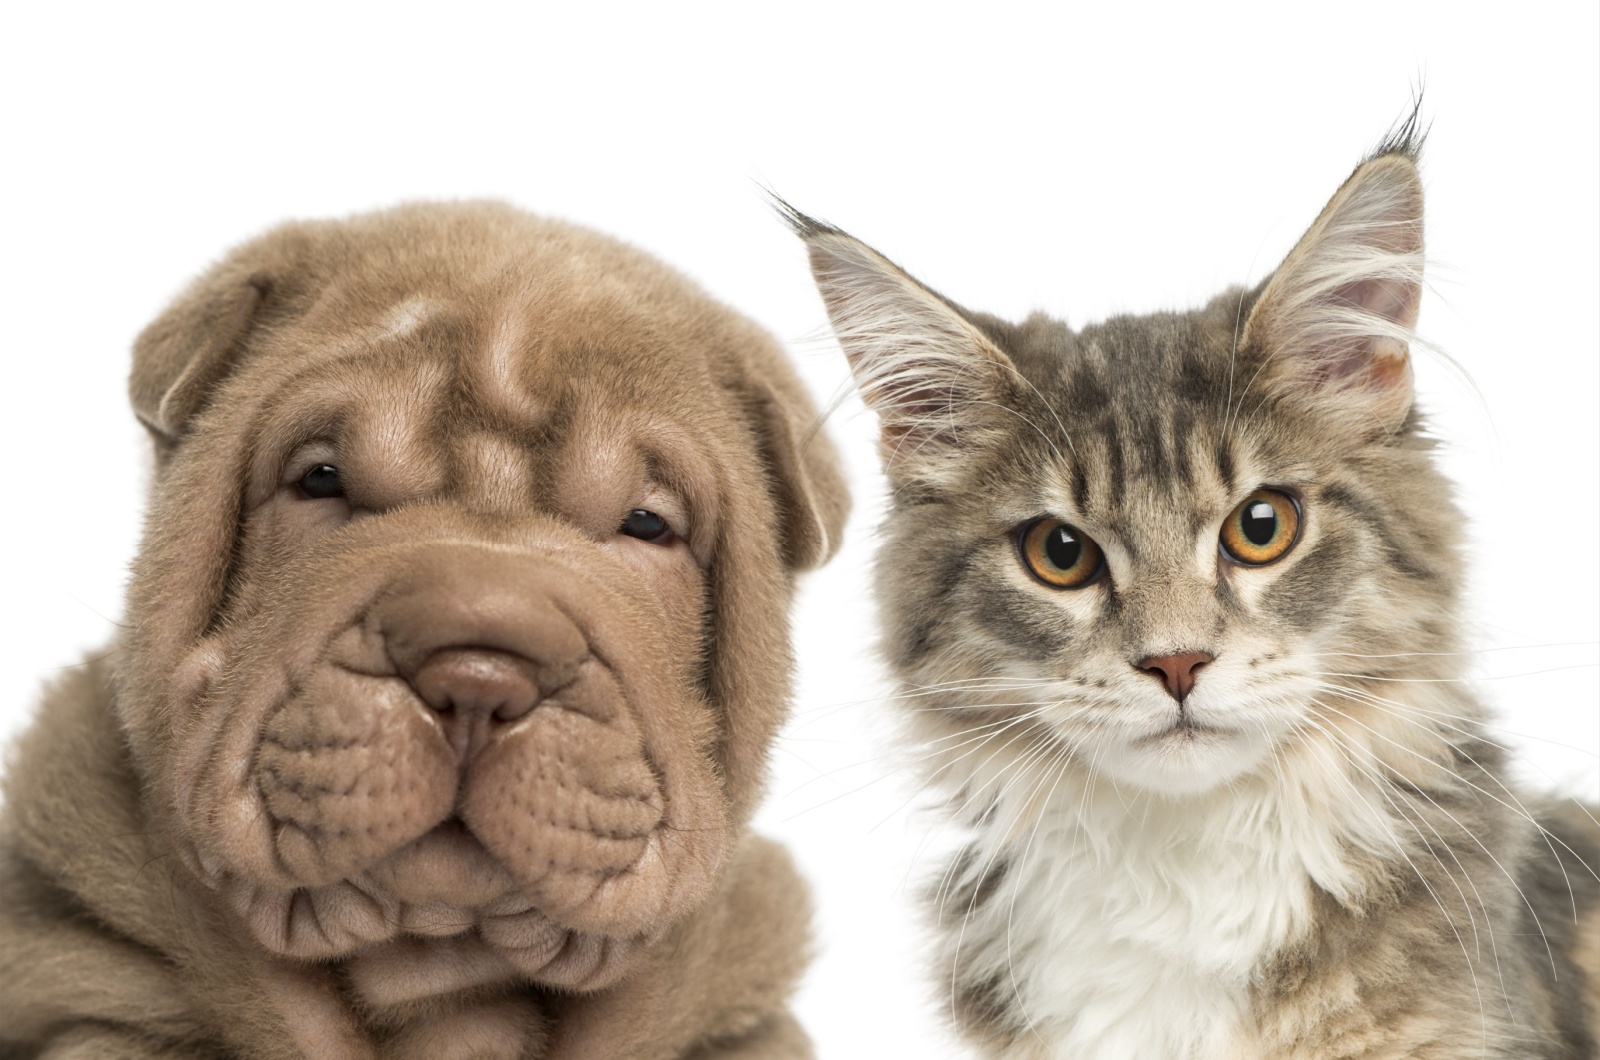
(1173, 599)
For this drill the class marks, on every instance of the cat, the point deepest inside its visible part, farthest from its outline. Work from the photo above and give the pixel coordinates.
(1172, 603)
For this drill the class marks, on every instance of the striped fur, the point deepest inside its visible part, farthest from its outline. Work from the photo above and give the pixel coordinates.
(1317, 854)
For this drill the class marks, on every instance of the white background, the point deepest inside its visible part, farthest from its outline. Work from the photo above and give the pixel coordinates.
(1015, 157)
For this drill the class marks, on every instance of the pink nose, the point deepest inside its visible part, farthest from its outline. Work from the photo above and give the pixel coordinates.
(1176, 670)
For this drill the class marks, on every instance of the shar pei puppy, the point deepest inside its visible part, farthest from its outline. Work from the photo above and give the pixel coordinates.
(453, 653)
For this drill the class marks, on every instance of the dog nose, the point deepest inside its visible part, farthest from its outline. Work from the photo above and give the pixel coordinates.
(483, 637)
(1176, 670)
(475, 693)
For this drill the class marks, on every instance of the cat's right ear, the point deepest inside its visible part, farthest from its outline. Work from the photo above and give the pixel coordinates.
(1334, 324)
(935, 381)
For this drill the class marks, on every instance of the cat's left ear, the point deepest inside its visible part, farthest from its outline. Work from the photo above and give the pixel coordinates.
(1336, 320)
(941, 388)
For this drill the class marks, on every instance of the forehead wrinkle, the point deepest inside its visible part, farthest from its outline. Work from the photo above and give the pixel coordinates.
(495, 370)
(313, 398)
(336, 329)
(596, 471)
(674, 460)
(392, 427)
(496, 471)
(624, 448)
(365, 406)
(327, 366)
(405, 317)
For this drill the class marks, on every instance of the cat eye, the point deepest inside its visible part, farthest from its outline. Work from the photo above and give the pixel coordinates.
(321, 482)
(1059, 554)
(646, 526)
(1261, 529)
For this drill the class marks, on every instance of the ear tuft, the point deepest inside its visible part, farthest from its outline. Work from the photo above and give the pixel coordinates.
(1406, 138)
(803, 225)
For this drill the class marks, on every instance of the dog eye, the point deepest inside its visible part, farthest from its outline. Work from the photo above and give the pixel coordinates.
(321, 482)
(646, 526)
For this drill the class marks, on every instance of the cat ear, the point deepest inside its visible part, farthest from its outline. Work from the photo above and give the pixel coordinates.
(1335, 321)
(936, 382)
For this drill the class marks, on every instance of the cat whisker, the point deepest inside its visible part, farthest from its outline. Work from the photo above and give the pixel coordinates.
(1384, 791)
(824, 712)
(1400, 711)
(1387, 790)
(907, 764)
(1549, 951)
(962, 809)
(1019, 771)
(965, 683)
(1508, 748)
(1346, 753)
(933, 778)
(1453, 654)
(1233, 357)
(1059, 772)
(1515, 806)
(1034, 426)
(1453, 680)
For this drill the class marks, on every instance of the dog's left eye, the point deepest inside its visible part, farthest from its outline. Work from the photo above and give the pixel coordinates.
(321, 482)
(646, 526)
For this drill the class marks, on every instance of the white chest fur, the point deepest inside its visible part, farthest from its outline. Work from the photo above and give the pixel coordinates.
(1127, 925)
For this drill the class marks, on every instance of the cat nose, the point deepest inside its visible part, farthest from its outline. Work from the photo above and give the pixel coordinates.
(1176, 670)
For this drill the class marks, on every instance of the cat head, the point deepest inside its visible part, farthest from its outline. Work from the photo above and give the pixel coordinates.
(1159, 545)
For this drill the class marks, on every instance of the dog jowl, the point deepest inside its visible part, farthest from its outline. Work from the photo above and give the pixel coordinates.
(455, 645)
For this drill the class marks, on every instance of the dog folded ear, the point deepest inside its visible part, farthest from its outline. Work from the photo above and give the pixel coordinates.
(181, 358)
(808, 481)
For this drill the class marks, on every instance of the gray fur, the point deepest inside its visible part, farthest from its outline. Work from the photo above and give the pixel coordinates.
(1475, 932)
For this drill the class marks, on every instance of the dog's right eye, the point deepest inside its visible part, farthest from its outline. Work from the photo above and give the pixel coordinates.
(321, 482)
(646, 526)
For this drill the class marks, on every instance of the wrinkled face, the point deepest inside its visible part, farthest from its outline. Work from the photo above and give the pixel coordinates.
(451, 718)
(1163, 582)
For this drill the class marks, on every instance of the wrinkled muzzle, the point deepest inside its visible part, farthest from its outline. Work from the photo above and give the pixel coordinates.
(463, 741)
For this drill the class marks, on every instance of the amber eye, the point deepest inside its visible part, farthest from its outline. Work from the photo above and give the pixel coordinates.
(1261, 529)
(1060, 555)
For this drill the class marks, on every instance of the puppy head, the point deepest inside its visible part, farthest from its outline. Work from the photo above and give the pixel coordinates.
(459, 629)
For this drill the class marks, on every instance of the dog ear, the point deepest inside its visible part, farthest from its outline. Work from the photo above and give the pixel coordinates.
(807, 479)
(749, 665)
(181, 358)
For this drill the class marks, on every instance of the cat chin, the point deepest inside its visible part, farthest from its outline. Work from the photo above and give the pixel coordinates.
(1184, 761)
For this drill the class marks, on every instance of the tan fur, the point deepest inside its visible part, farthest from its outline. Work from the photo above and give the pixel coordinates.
(442, 764)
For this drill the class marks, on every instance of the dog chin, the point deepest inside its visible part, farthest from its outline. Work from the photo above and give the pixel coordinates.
(1183, 759)
(446, 866)
(440, 885)
(440, 914)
